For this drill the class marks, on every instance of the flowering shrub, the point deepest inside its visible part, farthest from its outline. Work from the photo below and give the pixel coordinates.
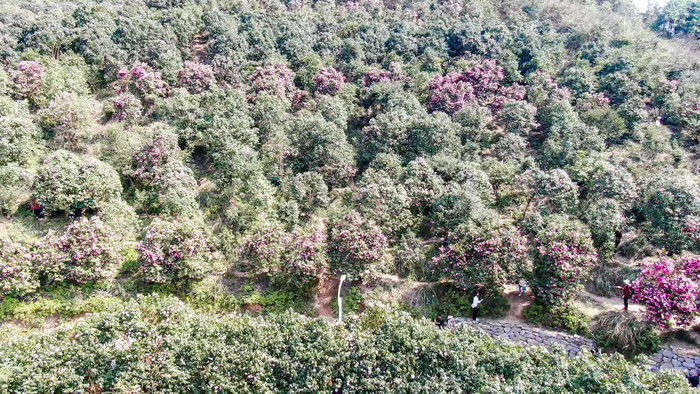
(480, 82)
(691, 267)
(356, 246)
(305, 260)
(264, 247)
(173, 252)
(64, 182)
(17, 275)
(329, 81)
(143, 79)
(196, 77)
(83, 253)
(487, 255)
(69, 116)
(274, 79)
(374, 75)
(668, 293)
(27, 80)
(564, 256)
(160, 149)
(126, 107)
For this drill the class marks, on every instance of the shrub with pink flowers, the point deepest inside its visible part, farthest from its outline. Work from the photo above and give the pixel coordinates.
(564, 257)
(668, 293)
(329, 81)
(356, 246)
(275, 79)
(83, 253)
(126, 107)
(691, 267)
(264, 247)
(485, 255)
(143, 79)
(478, 83)
(374, 75)
(17, 276)
(305, 260)
(174, 252)
(27, 79)
(196, 77)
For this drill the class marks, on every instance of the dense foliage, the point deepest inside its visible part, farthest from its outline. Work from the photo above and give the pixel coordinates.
(207, 141)
(159, 344)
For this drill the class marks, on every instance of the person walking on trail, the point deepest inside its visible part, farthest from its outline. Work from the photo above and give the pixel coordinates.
(626, 292)
(522, 287)
(475, 306)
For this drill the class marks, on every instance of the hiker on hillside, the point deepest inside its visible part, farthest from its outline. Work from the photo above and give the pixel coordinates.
(522, 286)
(475, 306)
(37, 208)
(693, 378)
(626, 292)
(439, 322)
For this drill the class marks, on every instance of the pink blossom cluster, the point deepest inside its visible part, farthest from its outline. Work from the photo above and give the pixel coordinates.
(172, 252)
(126, 107)
(264, 247)
(83, 253)
(17, 274)
(482, 256)
(329, 81)
(374, 75)
(563, 260)
(667, 291)
(478, 83)
(304, 259)
(276, 79)
(196, 77)
(149, 159)
(355, 246)
(28, 79)
(143, 79)
(691, 267)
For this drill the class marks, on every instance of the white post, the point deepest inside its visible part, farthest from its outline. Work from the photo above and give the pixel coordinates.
(340, 300)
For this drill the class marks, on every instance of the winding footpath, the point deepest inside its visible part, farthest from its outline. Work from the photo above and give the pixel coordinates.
(522, 333)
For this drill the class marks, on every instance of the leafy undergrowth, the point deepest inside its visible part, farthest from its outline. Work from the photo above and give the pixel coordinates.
(159, 344)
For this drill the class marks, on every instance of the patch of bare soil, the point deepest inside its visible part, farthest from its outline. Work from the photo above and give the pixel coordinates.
(324, 295)
(517, 303)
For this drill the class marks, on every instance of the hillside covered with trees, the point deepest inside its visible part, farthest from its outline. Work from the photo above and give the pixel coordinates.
(167, 162)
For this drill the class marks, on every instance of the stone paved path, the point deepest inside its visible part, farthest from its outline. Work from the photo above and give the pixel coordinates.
(522, 333)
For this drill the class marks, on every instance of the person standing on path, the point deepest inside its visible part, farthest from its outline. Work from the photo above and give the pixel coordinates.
(626, 292)
(693, 379)
(475, 306)
(522, 287)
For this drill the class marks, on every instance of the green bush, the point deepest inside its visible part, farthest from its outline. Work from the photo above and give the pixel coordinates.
(562, 317)
(159, 344)
(626, 333)
(65, 182)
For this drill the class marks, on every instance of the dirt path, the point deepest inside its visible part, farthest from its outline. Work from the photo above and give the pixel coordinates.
(517, 303)
(322, 300)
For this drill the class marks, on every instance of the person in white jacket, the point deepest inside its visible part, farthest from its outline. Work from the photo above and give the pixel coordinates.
(475, 306)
